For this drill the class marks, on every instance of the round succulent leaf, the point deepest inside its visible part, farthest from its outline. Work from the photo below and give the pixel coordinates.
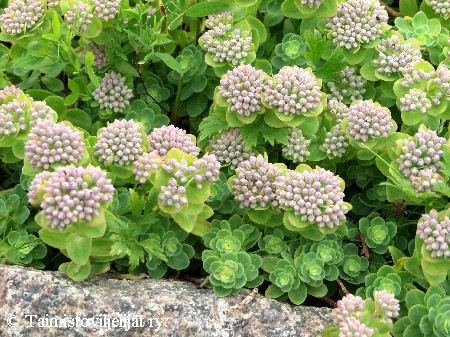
(78, 272)
(298, 295)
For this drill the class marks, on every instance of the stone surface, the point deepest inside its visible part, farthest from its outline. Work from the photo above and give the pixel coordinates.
(32, 301)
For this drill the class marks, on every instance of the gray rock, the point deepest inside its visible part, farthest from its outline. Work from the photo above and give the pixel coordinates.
(42, 303)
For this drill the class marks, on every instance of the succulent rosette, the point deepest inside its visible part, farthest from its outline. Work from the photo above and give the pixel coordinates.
(423, 94)
(428, 314)
(313, 200)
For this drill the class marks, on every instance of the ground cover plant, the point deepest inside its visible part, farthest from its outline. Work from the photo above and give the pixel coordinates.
(300, 147)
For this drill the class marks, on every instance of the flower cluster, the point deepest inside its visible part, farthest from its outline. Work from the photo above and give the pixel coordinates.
(18, 114)
(53, 3)
(213, 20)
(12, 117)
(394, 55)
(357, 22)
(36, 185)
(368, 120)
(387, 302)
(243, 87)
(106, 9)
(225, 43)
(440, 7)
(416, 100)
(316, 196)
(293, 91)
(79, 17)
(337, 109)
(21, 15)
(146, 164)
(311, 3)
(254, 183)
(425, 181)
(424, 152)
(335, 143)
(9, 91)
(349, 86)
(435, 233)
(346, 316)
(71, 194)
(120, 142)
(296, 148)
(113, 93)
(170, 137)
(173, 194)
(229, 148)
(50, 143)
(100, 56)
(204, 169)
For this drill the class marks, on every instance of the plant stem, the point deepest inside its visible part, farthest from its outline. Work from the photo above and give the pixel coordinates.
(177, 101)
(344, 289)
(390, 10)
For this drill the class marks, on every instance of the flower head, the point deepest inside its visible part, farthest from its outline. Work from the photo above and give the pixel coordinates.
(213, 20)
(100, 56)
(296, 148)
(435, 233)
(72, 194)
(254, 183)
(311, 3)
(338, 109)
(424, 152)
(425, 181)
(346, 316)
(229, 148)
(394, 55)
(36, 185)
(173, 194)
(10, 91)
(243, 87)
(225, 43)
(441, 7)
(357, 22)
(349, 86)
(113, 93)
(335, 143)
(316, 196)
(367, 120)
(21, 15)
(51, 143)
(293, 91)
(170, 137)
(106, 9)
(120, 142)
(387, 302)
(79, 17)
(145, 165)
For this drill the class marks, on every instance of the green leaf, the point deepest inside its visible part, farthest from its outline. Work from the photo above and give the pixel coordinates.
(78, 272)
(298, 296)
(78, 118)
(206, 8)
(54, 238)
(79, 248)
(93, 77)
(170, 61)
(89, 59)
(408, 7)
(210, 126)
(273, 291)
(125, 68)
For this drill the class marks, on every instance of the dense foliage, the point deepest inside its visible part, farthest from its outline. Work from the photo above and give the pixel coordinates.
(301, 147)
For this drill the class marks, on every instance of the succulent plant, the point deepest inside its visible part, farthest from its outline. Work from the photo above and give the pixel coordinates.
(348, 88)
(113, 93)
(313, 197)
(336, 143)
(296, 148)
(21, 15)
(357, 23)
(378, 234)
(285, 276)
(435, 232)
(165, 138)
(428, 314)
(290, 52)
(120, 143)
(423, 93)
(441, 7)
(243, 87)
(24, 249)
(425, 31)
(354, 267)
(229, 148)
(272, 243)
(53, 144)
(147, 164)
(254, 183)
(70, 195)
(337, 109)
